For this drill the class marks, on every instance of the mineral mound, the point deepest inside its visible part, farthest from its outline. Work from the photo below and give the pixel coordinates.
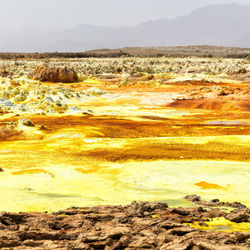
(45, 73)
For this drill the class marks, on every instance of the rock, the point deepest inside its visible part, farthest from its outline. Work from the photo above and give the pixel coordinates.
(45, 73)
(181, 231)
(22, 108)
(142, 243)
(215, 200)
(178, 245)
(8, 132)
(87, 112)
(215, 213)
(94, 91)
(192, 198)
(213, 203)
(181, 211)
(5, 95)
(241, 71)
(145, 208)
(117, 232)
(48, 100)
(20, 98)
(42, 127)
(4, 72)
(239, 215)
(26, 122)
(12, 219)
(169, 225)
(102, 228)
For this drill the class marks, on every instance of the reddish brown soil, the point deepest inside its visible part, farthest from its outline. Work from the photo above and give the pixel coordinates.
(231, 97)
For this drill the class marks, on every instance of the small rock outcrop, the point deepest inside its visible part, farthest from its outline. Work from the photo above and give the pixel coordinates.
(26, 122)
(213, 203)
(45, 73)
(140, 225)
(239, 215)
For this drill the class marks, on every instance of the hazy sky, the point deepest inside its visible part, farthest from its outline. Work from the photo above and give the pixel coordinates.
(68, 13)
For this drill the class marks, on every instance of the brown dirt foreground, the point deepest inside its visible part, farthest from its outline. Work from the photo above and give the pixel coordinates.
(136, 226)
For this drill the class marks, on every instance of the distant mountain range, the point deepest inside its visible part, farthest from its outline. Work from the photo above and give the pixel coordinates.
(223, 25)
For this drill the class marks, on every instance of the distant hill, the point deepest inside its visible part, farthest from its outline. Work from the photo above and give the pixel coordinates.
(221, 25)
(177, 51)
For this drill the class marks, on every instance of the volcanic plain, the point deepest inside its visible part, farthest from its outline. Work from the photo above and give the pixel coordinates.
(106, 132)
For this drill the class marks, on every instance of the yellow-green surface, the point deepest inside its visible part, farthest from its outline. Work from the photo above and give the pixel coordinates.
(48, 175)
(132, 148)
(222, 224)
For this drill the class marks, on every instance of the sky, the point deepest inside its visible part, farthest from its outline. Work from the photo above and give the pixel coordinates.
(51, 14)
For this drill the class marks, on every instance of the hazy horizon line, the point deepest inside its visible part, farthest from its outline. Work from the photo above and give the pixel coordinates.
(118, 26)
